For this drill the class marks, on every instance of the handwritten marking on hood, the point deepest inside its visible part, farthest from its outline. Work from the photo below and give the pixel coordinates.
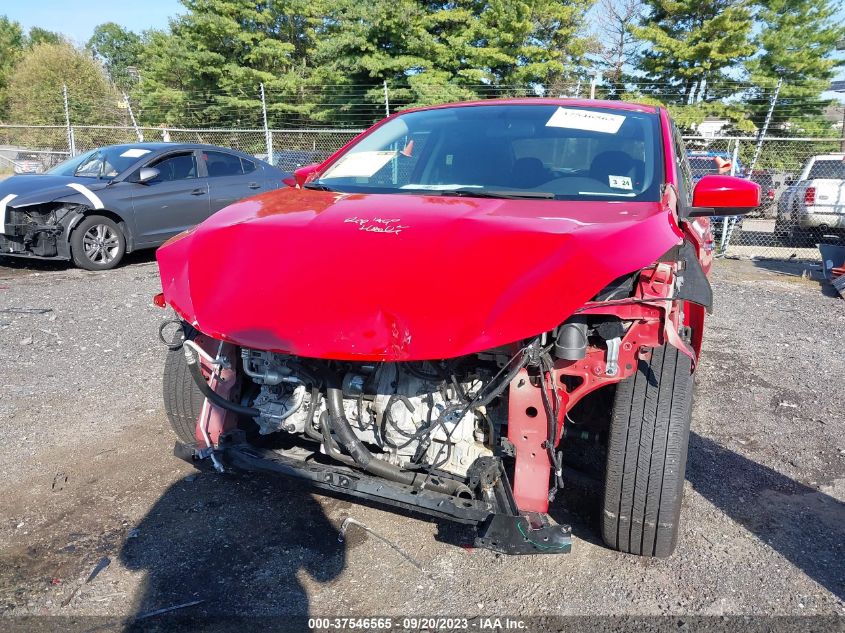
(377, 225)
(93, 198)
(3, 204)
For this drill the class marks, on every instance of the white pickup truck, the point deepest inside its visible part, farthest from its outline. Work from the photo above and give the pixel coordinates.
(816, 204)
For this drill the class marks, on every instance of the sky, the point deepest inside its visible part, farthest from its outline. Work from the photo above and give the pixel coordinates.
(77, 20)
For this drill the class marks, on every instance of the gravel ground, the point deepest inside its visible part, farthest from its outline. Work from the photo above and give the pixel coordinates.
(86, 472)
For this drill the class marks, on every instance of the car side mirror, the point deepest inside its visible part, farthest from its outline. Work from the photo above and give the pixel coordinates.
(723, 195)
(304, 174)
(147, 174)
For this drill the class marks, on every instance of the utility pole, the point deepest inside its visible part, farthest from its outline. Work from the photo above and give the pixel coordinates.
(765, 128)
(386, 100)
(593, 83)
(138, 131)
(71, 142)
(268, 135)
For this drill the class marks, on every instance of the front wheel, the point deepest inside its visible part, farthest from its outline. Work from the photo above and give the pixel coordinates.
(647, 455)
(97, 243)
(182, 398)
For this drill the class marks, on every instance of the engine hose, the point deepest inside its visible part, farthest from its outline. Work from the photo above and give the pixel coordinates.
(367, 461)
(329, 444)
(212, 396)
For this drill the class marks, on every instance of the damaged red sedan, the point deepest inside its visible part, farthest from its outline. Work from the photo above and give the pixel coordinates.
(430, 315)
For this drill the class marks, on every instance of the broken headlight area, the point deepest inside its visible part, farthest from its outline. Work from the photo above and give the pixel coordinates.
(36, 229)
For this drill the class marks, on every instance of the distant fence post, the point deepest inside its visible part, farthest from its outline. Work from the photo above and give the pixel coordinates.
(386, 100)
(765, 127)
(268, 135)
(71, 142)
(138, 132)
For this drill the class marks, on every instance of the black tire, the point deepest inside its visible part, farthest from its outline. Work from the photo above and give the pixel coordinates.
(182, 399)
(647, 455)
(108, 254)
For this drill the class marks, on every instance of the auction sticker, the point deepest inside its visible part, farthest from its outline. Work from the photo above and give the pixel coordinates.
(359, 164)
(588, 120)
(620, 182)
(135, 152)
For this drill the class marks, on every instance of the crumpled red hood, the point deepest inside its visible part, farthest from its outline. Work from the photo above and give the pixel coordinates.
(401, 277)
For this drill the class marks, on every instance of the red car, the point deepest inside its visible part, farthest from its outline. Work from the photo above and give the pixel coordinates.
(426, 317)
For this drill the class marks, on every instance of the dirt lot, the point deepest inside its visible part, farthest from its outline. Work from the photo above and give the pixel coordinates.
(86, 473)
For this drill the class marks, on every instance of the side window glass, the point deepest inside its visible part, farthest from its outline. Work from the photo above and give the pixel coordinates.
(176, 167)
(220, 164)
(247, 165)
(684, 170)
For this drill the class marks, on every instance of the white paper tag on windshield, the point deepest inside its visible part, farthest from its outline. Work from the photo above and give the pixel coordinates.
(359, 165)
(135, 152)
(620, 182)
(586, 120)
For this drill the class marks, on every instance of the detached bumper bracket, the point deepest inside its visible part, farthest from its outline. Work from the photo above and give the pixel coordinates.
(499, 525)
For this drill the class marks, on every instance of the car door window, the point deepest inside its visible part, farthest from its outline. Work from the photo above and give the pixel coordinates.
(176, 167)
(221, 164)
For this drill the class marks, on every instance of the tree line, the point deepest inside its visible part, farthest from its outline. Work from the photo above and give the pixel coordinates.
(329, 61)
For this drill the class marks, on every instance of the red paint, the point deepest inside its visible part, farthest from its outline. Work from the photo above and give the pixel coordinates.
(726, 192)
(293, 271)
(528, 432)
(217, 419)
(414, 277)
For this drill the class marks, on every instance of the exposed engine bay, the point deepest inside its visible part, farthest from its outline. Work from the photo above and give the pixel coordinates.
(412, 415)
(37, 228)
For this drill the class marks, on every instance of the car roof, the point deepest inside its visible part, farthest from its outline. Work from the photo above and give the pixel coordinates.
(162, 145)
(577, 103)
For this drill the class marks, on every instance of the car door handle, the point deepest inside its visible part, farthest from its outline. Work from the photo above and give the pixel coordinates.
(198, 192)
(254, 185)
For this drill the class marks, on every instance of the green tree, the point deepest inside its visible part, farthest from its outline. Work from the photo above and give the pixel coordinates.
(35, 88)
(689, 45)
(37, 35)
(207, 70)
(434, 51)
(119, 50)
(12, 44)
(797, 43)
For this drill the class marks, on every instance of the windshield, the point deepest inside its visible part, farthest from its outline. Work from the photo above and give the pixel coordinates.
(106, 162)
(531, 151)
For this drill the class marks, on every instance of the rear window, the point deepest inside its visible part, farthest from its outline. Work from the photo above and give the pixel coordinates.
(222, 164)
(828, 168)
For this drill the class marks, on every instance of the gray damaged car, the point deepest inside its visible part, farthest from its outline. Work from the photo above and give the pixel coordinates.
(96, 207)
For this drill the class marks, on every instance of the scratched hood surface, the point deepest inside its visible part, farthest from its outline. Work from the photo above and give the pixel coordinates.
(401, 277)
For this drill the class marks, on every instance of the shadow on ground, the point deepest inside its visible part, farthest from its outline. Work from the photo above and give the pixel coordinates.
(25, 264)
(797, 268)
(239, 544)
(805, 526)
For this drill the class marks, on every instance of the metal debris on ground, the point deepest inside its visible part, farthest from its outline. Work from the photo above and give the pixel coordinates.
(151, 614)
(26, 310)
(350, 521)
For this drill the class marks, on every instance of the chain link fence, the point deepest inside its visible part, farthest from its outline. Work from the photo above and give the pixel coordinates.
(803, 193)
(802, 179)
